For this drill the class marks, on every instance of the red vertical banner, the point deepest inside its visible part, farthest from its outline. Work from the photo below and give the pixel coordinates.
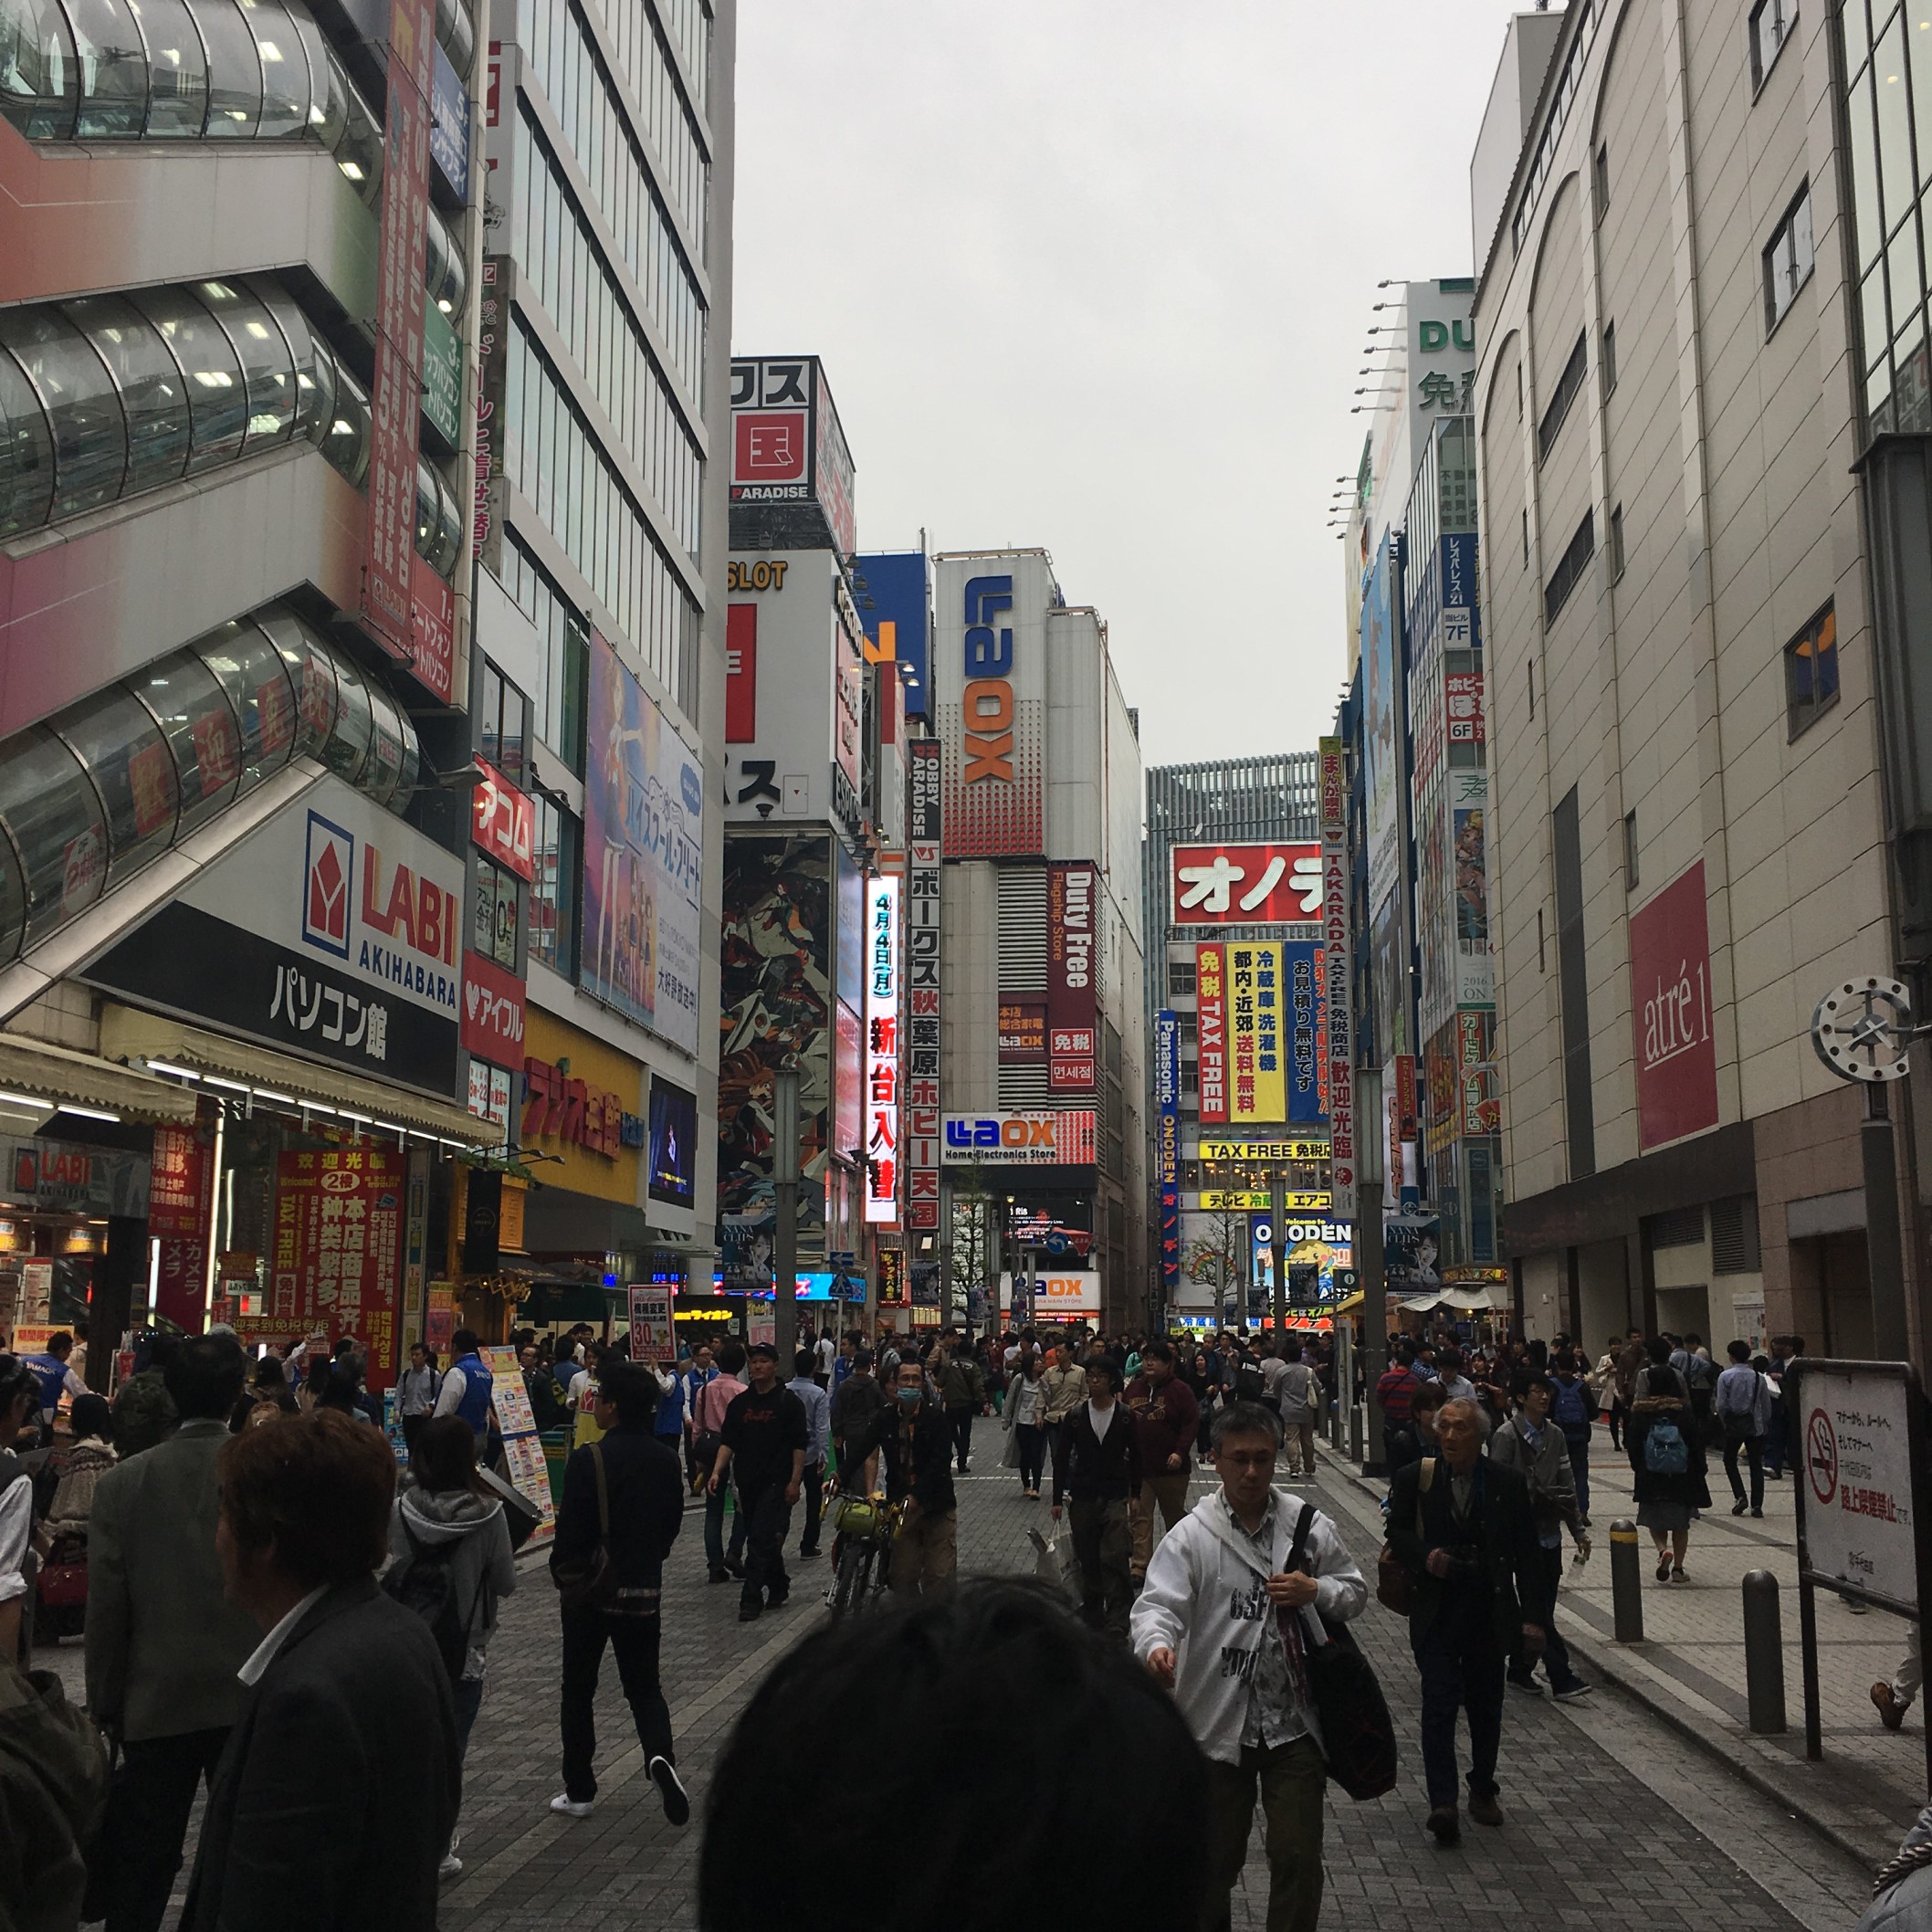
(1072, 1008)
(338, 1249)
(181, 1195)
(740, 688)
(1211, 1020)
(388, 569)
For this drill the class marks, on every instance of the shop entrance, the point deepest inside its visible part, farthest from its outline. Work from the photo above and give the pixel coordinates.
(1832, 1295)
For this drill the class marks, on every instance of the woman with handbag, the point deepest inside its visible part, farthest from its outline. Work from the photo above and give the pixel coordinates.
(1666, 1455)
(1243, 1616)
(1025, 1419)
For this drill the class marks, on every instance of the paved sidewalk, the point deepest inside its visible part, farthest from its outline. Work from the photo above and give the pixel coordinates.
(1691, 1669)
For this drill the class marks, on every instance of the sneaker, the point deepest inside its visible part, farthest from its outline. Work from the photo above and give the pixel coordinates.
(807, 1555)
(1571, 1692)
(571, 1807)
(1483, 1807)
(1446, 1824)
(1739, 1507)
(662, 1773)
(1757, 1513)
(1527, 1686)
(451, 1866)
(777, 1599)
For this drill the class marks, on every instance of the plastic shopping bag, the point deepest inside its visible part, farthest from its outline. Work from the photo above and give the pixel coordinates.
(1053, 1563)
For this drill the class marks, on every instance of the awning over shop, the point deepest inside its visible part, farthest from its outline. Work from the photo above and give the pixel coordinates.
(1475, 1300)
(1349, 1303)
(126, 1035)
(59, 1075)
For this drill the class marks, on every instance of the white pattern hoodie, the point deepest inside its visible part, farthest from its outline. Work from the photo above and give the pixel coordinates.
(1205, 1599)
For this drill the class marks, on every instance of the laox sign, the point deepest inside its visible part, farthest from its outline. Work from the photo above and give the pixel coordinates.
(989, 681)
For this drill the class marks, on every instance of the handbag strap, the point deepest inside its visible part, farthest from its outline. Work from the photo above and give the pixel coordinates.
(1295, 1549)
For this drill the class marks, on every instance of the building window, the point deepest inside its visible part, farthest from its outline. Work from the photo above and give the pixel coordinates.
(1616, 543)
(1570, 569)
(503, 724)
(1568, 384)
(1532, 673)
(1526, 537)
(1519, 389)
(1772, 23)
(1573, 987)
(1180, 977)
(1788, 258)
(494, 926)
(1542, 943)
(1610, 359)
(562, 650)
(1734, 1248)
(1811, 672)
(553, 892)
(1602, 179)
(1630, 852)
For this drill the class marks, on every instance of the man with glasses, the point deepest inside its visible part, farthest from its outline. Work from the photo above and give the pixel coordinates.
(1224, 1620)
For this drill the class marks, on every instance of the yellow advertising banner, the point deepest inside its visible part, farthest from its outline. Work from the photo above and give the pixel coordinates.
(1257, 1071)
(1291, 1202)
(1264, 1150)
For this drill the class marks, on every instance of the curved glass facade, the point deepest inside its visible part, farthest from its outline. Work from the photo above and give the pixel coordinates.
(190, 70)
(111, 784)
(105, 396)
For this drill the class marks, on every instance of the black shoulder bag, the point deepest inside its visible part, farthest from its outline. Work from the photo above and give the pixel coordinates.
(1357, 1731)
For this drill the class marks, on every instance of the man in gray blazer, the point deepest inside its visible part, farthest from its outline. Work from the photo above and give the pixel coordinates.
(162, 1642)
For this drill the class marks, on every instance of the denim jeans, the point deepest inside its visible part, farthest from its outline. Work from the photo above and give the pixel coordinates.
(1033, 1452)
(714, 1542)
(468, 1702)
(1579, 1466)
(768, 1515)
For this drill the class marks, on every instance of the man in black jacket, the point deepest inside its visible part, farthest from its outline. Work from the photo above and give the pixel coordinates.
(1462, 1526)
(914, 1436)
(340, 1780)
(1098, 1467)
(644, 1499)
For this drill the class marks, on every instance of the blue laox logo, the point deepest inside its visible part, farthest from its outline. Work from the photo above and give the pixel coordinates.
(693, 790)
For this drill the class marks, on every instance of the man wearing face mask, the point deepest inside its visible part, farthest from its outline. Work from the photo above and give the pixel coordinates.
(915, 1441)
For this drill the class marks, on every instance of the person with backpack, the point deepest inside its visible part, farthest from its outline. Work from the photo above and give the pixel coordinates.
(1535, 1449)
(1693, 1362)
(452, 1566)
(1743, 1409)
(1575, 1414)
(962, 1394)
(1297, 1390)
(623, 1508)
(1666, 1454)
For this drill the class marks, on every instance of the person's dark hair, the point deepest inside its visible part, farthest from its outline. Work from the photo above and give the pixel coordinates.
(937, 1659)
(338, 1391)
(1797, 1342)
(267, 1373)
(731, 1358)
(635, 1393)
(1405, 1353)
(1032, 1364)
(1243, 1419)
(1658, 1348)
(1692, 1339)
(1740, 1352)
(1157, 1351)
(861, 1358)
(1428, 1399)
(464, 1341)
(1450, 1361)
(204, 1376)
(318, 1487)
(444, 1454)
(1528, 1379)
(91, 1416)
(60, 1344)
(1103, 1365)
(17, 1379)
(804, 1363)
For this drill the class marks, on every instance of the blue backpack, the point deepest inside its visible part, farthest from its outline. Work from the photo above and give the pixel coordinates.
(1666, 1453)
(1572, 1406)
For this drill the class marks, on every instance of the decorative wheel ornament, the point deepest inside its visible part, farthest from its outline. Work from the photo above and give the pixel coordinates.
(1862, 1030)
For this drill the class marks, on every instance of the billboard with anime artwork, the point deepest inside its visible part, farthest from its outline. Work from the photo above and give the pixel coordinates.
(642, 839)
(775, 966)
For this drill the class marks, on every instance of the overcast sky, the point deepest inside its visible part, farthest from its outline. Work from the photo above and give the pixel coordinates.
(1084, 281)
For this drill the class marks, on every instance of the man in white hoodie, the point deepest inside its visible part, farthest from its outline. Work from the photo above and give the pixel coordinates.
(1225, 1623)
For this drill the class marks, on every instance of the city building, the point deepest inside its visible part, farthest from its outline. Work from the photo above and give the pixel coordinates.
(321, 866)
(1698, 327)
(1232, 886)
(1043, 1008)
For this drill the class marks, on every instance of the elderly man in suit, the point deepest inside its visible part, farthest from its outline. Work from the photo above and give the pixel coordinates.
(163, 1645)
(1462, 1526)
(339, 1787)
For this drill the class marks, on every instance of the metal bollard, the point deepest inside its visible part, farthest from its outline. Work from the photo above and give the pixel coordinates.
(1626, 1583)
(1764, 1654)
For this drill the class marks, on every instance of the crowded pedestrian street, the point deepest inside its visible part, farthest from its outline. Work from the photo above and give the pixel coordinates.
(1611, 1815)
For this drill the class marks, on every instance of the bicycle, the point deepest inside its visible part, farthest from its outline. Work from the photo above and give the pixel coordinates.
(863, 1529)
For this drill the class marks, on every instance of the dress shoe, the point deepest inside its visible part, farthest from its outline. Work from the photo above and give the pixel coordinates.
(1483, 1807)
(1446, 1825)
(1891, 1711)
